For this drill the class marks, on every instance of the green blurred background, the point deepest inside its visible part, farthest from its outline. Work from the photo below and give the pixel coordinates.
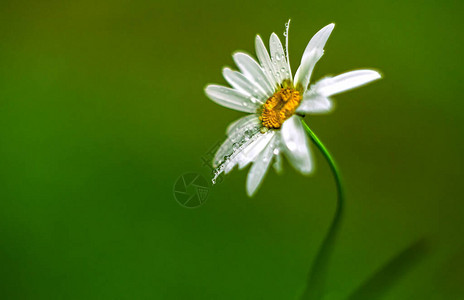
(102, 108)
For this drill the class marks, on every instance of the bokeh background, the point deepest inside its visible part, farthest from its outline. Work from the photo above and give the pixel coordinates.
(102, 108)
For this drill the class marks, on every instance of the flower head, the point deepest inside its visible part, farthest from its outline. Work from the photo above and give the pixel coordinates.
(277, 102)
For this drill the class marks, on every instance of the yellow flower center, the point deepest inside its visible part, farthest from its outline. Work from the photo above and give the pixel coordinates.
(279, 107)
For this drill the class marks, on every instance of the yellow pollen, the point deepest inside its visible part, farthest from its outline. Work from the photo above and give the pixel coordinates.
(279, 107)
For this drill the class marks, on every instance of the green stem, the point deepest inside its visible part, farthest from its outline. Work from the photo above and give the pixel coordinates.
(315, 288)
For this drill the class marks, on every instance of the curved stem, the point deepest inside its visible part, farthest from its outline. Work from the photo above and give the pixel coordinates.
(315, 287)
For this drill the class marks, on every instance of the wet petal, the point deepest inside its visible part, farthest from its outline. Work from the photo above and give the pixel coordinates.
(241, 125)
(258, 170)
(266, 64)
(314, 103)
(296, 145)
(238, 81)
(250, 153)
(279, 59)
(311, 56)
(253, 71)
(230, 98)
(236, 136)
(344, 82)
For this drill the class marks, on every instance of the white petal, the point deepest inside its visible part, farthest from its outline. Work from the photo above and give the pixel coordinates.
(278, 58)
(311, 56)
(265, 60)
(230, 98)
(303, 74)
(251, 69)
(236, 134)
(250, 153)
(242, 124)
(258, 170)
(346, 81)
(314, 103)
(296, 144)
(238, 81)
(319, 40)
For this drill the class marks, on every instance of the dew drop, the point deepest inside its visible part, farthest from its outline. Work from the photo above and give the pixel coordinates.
(287, 26)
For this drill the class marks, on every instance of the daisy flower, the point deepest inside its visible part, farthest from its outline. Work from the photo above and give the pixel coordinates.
(276, 102)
